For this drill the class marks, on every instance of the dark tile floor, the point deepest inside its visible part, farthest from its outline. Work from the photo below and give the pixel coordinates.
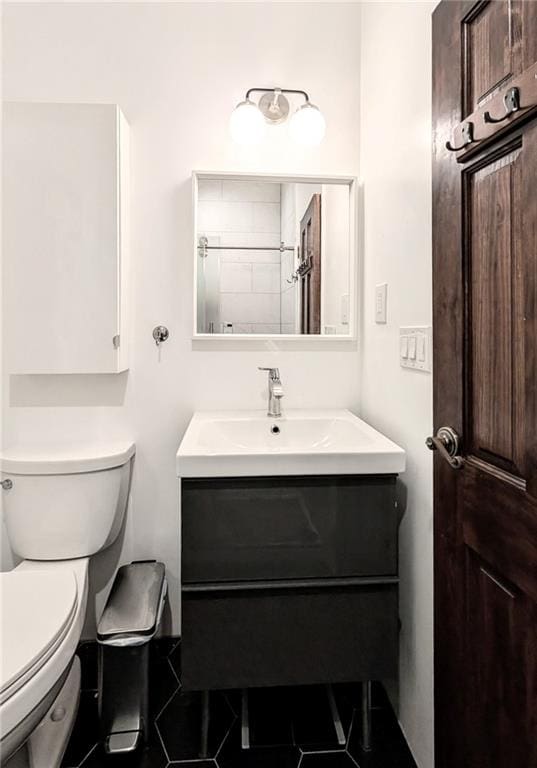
(289, 727)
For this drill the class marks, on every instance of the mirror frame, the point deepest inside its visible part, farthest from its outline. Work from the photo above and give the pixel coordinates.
(349, 181)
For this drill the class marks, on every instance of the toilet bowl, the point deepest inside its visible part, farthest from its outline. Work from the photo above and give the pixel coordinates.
(62, 507)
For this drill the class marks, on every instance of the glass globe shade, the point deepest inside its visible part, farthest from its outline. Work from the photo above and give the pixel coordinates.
(307, 125)
(247, 124)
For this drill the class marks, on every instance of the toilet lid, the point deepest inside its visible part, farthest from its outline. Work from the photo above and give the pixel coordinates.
(37, 608)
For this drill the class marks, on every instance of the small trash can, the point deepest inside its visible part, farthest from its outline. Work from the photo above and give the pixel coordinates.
(130, 619)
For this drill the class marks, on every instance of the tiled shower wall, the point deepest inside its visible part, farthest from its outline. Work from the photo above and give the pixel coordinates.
(233, 213)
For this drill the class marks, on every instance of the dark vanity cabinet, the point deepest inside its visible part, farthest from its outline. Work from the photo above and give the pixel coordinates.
(288, 580)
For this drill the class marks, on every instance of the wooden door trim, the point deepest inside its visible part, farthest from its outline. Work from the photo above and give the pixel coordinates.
(310, 280)
(448, 355)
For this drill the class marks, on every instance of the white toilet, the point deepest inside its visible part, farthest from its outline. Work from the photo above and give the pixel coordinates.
(60, 508)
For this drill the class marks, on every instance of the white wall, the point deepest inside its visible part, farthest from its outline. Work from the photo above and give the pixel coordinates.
(335, 282)
(177, 70)
(395, 151)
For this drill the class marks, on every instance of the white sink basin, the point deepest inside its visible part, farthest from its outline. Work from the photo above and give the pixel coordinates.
(250, 443)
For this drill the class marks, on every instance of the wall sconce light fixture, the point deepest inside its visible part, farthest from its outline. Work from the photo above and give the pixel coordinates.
(249, 120)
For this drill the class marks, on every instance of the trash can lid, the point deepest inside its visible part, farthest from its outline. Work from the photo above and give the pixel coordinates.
(133, 605)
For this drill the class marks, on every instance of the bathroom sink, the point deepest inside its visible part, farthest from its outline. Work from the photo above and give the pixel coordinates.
(250, 443)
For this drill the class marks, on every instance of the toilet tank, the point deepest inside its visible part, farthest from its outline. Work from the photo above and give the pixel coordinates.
(65, 503)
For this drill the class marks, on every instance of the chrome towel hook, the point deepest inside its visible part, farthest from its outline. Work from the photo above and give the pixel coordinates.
(160, 334)
(511, 102)
(467, 131)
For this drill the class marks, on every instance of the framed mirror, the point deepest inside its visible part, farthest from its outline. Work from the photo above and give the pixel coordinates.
(274, 256)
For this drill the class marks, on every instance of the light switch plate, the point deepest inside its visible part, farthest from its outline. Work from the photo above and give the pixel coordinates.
(381, 299)
(415, 348)
(345, 309)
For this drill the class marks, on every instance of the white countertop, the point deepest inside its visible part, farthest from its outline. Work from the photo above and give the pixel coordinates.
(301, 442)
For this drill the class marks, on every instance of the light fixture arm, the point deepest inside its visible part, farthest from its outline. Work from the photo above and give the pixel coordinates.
(277, 92)
(247, 122)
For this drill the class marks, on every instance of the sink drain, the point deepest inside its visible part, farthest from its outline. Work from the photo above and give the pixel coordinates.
(275, 429)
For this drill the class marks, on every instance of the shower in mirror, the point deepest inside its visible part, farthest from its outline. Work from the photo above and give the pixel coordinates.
(274, 255)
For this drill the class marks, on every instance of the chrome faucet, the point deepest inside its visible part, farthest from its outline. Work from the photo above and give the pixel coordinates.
(275, 392)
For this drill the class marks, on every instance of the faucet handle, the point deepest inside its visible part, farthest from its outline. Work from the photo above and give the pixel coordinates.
(274, 373)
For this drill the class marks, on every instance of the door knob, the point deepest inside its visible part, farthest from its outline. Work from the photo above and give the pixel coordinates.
(448, 443)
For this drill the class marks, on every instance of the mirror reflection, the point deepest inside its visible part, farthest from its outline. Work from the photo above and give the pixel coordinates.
(273, 257)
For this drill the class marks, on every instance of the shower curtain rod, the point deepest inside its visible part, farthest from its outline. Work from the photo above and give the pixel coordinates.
(280, 248)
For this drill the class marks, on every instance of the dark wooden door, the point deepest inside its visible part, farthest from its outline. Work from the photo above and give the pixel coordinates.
(310, 267)
(485, 383)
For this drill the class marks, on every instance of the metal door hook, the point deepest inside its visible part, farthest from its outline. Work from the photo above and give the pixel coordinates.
(467, 133)
(160, 334)
(511, 102)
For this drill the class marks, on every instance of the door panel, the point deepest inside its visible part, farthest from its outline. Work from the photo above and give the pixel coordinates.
(485, 342)
(501, 625)
(500, 523)
(498, 44)
(495, 330)
(488, 32)
(524, 24)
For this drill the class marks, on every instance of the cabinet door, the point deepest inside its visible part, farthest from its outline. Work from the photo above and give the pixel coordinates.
(64, 210)
(249, 638)
(251, 529)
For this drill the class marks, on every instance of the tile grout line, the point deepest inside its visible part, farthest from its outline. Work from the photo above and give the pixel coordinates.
(227, 732)
(350, 729)
(347, 745)
(174, 694)
(174, 673)
(162, 744)
(92, 750)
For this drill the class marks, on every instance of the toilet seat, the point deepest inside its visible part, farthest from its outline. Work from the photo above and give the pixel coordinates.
(38, 608)
(43, 617)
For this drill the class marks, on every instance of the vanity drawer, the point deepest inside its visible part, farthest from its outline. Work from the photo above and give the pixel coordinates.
(244, 529)
(267, 636)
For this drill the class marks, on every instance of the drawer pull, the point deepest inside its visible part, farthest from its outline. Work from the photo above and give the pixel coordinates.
(289, 584)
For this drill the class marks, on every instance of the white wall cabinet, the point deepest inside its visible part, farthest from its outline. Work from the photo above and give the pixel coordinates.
(65, 238)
